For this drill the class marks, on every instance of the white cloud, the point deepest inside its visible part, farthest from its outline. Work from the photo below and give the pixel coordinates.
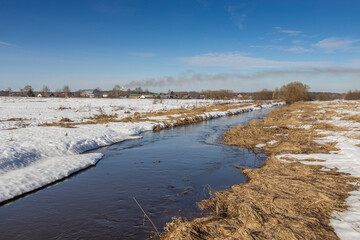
(6, 44)
(142, 54)
(294, 49)
(238, 17)
(298, 49)
(337, 44)
(290, 33)
(296, 41)
(238, 61)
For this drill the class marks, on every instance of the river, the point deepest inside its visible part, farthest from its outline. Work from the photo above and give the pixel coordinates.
(168, 172)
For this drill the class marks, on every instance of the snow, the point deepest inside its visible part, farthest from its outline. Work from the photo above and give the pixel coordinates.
(33, 156)
(261, 145)
(271, 142)
(346, 224)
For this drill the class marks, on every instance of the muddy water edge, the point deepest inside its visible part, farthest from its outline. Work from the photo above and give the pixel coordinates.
(168, 172)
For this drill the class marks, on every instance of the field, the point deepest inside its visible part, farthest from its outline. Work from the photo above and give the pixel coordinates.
(308, 187)
(46, 139)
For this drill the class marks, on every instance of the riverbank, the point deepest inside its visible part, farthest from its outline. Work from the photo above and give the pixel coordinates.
(45, 140)
(307, 189)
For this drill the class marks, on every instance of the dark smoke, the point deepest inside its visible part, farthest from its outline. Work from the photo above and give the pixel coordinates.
(189, 78)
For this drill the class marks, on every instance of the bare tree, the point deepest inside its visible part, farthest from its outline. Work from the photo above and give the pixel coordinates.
(9, 91)
(352, 95)
(139, 90)
(263, 95)
(66, 90)
(45, 91)
(27, 88)
(116, 91)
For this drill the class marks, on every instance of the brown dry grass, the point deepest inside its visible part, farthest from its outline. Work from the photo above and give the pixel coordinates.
(281, 200)
(13, 119)
(354, 118)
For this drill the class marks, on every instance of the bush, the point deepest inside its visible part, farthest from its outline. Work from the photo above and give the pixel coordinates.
(352, 95)
(218, 94)
(294, 92)
(263, 95)
(325, 97)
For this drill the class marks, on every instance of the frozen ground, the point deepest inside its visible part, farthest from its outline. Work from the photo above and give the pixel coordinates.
(347, 159)
(33, 156)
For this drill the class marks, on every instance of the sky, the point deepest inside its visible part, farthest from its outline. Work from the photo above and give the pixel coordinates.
(180, 44)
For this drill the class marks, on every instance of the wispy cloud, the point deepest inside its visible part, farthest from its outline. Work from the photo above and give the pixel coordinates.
(236, 15)
(294, 49)
(238, 61)
(337, 44)
(297, 41)
(298, 49)
(6, 44)
(290, 33)
(143, 54)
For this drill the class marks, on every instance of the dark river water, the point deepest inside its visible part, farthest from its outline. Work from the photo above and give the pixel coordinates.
(168, 172)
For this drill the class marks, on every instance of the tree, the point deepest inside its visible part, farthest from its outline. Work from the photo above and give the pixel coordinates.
(66, 90)
(29, 91)
(325, 97)
(97, 92)
(45, 91)
(218, 94)
(276, 94)
(139, 90)
(116, 91)
(352, 95)
(294, 92)
(263, 95)
(9, 91)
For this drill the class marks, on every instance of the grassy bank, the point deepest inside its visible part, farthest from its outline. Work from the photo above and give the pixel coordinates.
(285, 199)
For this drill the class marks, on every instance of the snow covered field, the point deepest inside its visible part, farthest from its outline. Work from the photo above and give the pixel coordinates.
(347, 159)
(33, 155)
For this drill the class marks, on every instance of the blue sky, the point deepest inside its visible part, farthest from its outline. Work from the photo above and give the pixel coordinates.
(180, 44)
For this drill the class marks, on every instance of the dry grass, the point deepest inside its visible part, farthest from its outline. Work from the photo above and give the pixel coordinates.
(354, 118)
(65, 120)
(281, 200)
(284, 128)
(63, 108)
(13, 120)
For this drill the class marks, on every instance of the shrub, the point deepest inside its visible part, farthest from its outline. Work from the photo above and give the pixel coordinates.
(294, 92)
(352, 95)
(263, 95)
(325, 97)
(218, 94)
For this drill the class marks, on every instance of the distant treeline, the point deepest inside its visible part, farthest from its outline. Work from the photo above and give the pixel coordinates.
(292, 92)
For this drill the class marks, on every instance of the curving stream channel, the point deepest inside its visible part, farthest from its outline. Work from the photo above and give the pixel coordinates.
(167, 171)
